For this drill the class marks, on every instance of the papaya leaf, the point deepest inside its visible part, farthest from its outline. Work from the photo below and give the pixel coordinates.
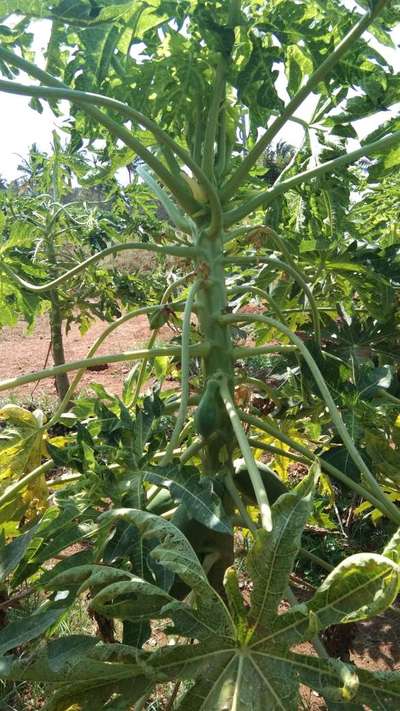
(291, 512)
(134, 600)
(21, 441)
(26, 629)
(196, 492)
(241, 661)
(176, 554)
(21, 449)
(12, 553)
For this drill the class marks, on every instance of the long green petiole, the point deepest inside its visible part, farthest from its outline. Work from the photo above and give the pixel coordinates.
(185, 252)
(185, 379)
(320, 73)
(172, 182)
(334, 412)
(90, 102)
(143, 367)
(265, 198)
(256, 480)
(290, 269)
(96, 345)
(200, 349)
(309, 456)
(11, 491)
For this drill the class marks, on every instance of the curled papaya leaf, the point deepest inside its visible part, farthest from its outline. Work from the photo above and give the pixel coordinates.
(22, 446)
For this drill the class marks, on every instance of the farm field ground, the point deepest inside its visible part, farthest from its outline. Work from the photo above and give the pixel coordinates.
(22, 352)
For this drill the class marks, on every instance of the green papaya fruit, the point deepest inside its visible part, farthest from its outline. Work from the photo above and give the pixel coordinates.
(274, 486)
(208, 416)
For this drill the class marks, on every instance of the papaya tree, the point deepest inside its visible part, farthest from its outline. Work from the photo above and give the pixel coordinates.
(48, 225)
(194, 94)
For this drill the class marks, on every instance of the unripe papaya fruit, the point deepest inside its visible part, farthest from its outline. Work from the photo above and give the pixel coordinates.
(208, 415)
(274, 486)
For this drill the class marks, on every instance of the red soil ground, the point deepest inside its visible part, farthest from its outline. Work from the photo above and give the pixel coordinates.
(21, 353)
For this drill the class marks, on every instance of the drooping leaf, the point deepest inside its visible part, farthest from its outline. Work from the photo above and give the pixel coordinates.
(196, 492)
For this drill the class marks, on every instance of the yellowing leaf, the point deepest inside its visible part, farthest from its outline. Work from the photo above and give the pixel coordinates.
(21, 449)
(21, 441)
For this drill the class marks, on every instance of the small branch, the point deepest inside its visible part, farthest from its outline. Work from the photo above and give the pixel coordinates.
(265, 198)
(293, 271)
(164, 300)
(185, 380)
(173, 183)
(96, 345)
(237, 499)
(46, 360)
(259, 444)
(193, 448)
(212, 119)
(266, 426)
(327, 397)
(14, 601)
(318, 645)
(184, 252)
(320, 73)
(200, 349)
(256, 480)
(297, 276)
(248, 289)
(249, 351)
(95, 99)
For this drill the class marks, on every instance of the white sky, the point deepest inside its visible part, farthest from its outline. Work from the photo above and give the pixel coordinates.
(20, 126)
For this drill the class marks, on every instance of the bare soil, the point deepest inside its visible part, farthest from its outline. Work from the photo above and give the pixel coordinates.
(22, 352)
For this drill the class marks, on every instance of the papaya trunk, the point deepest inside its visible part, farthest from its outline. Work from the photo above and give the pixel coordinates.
(57, 344)
(211, 303)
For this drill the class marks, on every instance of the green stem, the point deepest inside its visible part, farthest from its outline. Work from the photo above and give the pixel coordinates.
(317, 560)
(382, 393)
(248, 351)
(177, 251)
(130, 113)
(220, 165)
(218, 93)
(266, 197)
(334, 412)
(296, 276)
(96, 345)
(248, 523)
(193, 448)
(57, 344)
(172, 182)
(62, 481)
(320, 73)
(260, 385)
(316, 642)
(11, 491)
(143, 367)
(185, 381)
(377, 501)
(200, 349)
(237, 500)
(257, 291)
(256, 480)
(259, 444)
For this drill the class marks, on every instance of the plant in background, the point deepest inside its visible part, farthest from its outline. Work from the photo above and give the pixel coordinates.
(191, 90)
(47, 229)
